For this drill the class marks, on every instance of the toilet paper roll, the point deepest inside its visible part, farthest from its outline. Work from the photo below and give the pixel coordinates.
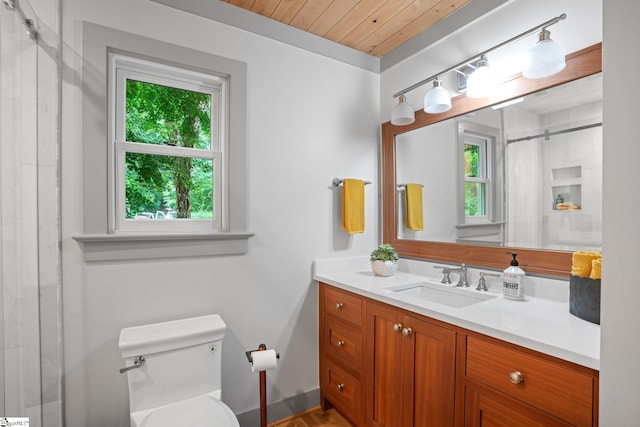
(263, 360)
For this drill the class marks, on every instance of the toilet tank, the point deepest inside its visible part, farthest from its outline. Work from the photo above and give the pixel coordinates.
(183, 359)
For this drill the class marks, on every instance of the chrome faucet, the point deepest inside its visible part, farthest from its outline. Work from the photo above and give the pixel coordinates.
(462, 271)
(482, 283)
(446, 271)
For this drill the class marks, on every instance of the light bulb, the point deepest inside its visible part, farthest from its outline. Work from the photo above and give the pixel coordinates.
(545, 59)
(482, 82)
(403, 113)
(437, 100)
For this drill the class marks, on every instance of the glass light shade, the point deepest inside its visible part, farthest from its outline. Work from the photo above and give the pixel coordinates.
(437, 100)
(482, 82)
(545, 59)
(403, 113)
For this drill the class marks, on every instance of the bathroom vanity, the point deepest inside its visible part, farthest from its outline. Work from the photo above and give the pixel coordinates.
(392, 356)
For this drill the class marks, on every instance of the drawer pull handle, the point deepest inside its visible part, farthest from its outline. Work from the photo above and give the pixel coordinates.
(340, 343)
(397, 327)
(339, 306)
(407, 332)
(516, 377)
(340, 387)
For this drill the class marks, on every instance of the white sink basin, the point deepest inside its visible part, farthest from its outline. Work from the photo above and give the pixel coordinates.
(440, 294)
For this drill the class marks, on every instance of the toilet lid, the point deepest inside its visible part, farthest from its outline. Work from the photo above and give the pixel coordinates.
(201, 411)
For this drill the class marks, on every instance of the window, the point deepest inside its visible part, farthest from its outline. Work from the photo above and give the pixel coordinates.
(155, 64)
(168, 145)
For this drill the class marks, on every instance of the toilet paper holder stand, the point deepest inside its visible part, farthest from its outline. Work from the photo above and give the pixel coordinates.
(263, 385)
(260, 348)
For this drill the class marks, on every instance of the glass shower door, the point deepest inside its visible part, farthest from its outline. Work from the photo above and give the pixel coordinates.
(20, 376)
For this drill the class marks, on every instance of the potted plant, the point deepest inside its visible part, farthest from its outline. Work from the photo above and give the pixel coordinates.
(384, 260)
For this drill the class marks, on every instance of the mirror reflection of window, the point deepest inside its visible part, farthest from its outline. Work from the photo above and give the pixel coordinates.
(475, 177)
(480, 187)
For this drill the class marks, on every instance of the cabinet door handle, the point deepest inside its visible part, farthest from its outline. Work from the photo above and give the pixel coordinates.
(407, 332)
(339, 306)
(516, 377)
(397, 327)
(340, 387)
(340, 343)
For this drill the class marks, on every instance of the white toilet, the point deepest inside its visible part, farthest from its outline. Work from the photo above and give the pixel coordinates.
(174, 373)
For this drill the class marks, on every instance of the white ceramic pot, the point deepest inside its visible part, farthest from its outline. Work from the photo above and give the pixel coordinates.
(384, 268)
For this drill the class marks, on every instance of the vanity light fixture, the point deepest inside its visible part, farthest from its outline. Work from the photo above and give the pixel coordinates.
(545, 59)
(438, 99)
(403, 113)
(482, 82)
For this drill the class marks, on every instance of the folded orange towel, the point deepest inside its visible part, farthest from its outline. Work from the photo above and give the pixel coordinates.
(413, 216)
(353, 206)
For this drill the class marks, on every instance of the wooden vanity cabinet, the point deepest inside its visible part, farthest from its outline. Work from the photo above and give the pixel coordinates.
(383, 366)
(341, 347)
(411, 366)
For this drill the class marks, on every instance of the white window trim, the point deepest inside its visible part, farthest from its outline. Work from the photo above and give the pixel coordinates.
(95, 239)
(123, 68)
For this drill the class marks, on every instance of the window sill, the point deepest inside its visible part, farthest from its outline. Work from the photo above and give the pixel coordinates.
(486, 233)
(119, 247)
(480, 224)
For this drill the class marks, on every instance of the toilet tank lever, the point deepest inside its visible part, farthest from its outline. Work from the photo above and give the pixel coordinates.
(137, 362)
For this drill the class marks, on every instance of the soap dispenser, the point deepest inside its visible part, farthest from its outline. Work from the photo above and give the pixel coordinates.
(513, 280)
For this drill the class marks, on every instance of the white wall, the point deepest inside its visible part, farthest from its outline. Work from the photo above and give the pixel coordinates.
(620, 346)
(309, 119)
(420, 157)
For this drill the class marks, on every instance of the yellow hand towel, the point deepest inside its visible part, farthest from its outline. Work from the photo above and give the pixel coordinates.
(581, 262)
(353, 206)
(596, 269)
(413, 217)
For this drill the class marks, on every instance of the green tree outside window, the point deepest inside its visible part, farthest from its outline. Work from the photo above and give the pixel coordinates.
(175, 186)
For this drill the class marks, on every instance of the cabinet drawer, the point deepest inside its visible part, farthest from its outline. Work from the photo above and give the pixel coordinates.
(489, 408)
(343, 390)
(551, 387)
(343, 344)
(343, 305)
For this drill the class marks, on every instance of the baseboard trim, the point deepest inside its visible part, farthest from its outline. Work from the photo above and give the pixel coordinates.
(281, 409)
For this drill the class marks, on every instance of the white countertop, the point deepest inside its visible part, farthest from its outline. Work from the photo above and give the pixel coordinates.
(541, 324)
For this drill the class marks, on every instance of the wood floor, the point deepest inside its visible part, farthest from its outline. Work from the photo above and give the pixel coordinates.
(315, 417)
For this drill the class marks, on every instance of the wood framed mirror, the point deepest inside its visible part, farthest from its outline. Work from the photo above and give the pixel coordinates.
(580, 64)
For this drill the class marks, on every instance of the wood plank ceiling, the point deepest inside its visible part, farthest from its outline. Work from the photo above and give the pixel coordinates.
(375, 27)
